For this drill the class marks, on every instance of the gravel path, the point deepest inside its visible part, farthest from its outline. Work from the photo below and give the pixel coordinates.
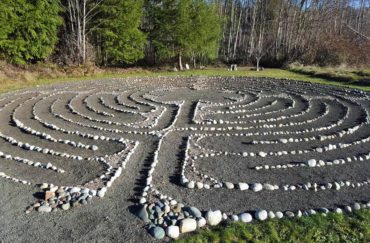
(106, 150)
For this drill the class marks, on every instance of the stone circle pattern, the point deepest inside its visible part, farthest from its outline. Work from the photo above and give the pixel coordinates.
(218, 148)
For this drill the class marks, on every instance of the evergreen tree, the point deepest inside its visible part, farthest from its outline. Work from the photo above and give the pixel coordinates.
(186, 28)
(207, 31)
(117, 35)
(28, 30)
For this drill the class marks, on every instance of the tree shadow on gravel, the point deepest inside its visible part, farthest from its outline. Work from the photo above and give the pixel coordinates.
(192, 112)
(175, 179)
(141, 180)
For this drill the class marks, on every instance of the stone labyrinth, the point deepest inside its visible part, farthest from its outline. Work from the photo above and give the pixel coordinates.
(215, 149)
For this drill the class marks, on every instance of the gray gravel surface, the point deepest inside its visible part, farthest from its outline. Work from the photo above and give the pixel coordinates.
(112, 218)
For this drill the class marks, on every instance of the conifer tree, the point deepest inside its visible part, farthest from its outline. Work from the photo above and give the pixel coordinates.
(186, 28)
(28, 30)
(206, 31)
(116, 31)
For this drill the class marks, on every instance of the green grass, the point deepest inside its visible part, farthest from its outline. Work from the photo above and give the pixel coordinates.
(346, 76)
(247, 72)
(317, 228)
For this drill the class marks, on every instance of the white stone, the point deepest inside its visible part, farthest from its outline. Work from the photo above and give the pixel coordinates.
(338, 210)
(283, 140)
(201, 222)
(311, 163)
(279, 214)
(142, 200)
(245, 217)
(234, 217)
(75, 189)
(44, 209)
(173, 231)
(213, 217)
(261, 215)
(102, 192)
(262, 154)
(200, 185)
(256, 187)
(229, 185)
(183, 180)
(191, 184)
(243, 186)
(268, 187)
(188, 225)
(44, 186)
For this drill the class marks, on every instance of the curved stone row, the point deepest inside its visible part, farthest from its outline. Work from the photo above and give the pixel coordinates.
(55, 195)
(216, 183)
(90, 107)
(199, 132)
(196, 219)
(150, 121)
(259, 186)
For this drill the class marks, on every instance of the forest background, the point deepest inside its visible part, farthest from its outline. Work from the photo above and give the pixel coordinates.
(126, 33)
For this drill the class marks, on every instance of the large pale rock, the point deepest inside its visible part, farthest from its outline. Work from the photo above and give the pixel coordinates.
(261, 215)
(256, 187)
(243, 186)
(44, 209)
(173, 231)
(193, 211)
(245, 217)
(213, 217)
(311, 163)
(188, 225)
(157, 232)
(201, 222)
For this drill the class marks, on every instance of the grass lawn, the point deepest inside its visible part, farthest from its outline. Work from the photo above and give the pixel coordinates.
(331, 228)
(353, 227)
(347, 76)
(270, 73)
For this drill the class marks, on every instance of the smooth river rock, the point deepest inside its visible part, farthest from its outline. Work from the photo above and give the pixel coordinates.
(245, 217)
(157, 232)
(261, 215)
(188, 225)
(44, 209)
(173, 231)
(213, 217)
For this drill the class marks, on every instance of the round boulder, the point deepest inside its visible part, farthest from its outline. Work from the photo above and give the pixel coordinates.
(188, 225)
(173, 231)
(261, 215)
(213, 217)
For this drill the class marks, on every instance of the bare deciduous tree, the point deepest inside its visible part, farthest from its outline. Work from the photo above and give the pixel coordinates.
(295, 29)
(80, 13)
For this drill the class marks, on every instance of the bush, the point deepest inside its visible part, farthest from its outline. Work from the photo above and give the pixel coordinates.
(330, 57)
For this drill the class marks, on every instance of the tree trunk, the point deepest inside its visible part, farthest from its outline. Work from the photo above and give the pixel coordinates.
(237, 34)
(180, 62)
(84, 33)
(258, 64)
(194, 62)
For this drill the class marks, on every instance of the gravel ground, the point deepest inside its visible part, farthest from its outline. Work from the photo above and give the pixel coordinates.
(142, 110)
